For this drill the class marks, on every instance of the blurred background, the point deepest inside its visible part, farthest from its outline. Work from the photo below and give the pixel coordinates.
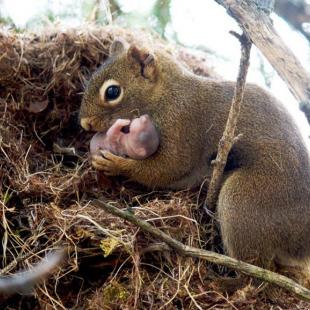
(201, 25)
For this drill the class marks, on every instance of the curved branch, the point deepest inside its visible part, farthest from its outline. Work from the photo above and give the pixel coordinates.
(258, 26)
(209, 256)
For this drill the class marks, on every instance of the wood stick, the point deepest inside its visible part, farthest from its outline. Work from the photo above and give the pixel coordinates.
(209, 256)
(258, 26)
(228, 138)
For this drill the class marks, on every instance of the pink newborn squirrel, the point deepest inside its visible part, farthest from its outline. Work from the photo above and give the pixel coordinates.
(136, 139)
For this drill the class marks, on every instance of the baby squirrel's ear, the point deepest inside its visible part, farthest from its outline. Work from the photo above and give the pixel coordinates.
(145, 60)
(117, 47)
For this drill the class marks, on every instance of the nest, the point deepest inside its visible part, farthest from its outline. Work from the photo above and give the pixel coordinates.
(47, 186)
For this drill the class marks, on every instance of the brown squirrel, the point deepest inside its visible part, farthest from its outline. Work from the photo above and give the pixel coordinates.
(264, 202)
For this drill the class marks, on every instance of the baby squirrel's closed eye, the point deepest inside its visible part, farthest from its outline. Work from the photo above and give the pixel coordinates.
(139, 143)
(125, 129)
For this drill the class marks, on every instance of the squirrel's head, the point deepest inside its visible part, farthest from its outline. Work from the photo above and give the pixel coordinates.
(127, 85)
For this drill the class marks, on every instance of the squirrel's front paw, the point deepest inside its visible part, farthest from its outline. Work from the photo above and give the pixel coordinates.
(109, 163)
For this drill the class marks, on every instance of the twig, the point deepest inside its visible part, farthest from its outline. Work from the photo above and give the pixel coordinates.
(228, 138)
(108, 11)
(95, 12)
(212, 257)
(258, 26)
(14, 263)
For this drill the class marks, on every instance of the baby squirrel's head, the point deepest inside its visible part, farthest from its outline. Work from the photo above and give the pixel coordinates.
(127, 85)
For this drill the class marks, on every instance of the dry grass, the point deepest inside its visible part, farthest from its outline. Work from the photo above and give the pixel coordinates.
(47, 186)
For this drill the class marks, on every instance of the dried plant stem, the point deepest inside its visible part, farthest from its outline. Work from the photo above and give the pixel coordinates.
(209, 256)
(228, 138)
(95, 11)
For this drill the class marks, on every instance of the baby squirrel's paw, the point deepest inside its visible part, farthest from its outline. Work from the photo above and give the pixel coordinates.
(109, 163)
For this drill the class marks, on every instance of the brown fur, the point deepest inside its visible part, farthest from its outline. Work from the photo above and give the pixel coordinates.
(263, 206)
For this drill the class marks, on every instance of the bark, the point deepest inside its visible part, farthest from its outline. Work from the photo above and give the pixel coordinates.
(258, 26)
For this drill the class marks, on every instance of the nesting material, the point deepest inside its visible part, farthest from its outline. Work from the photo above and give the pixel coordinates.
(47, 186)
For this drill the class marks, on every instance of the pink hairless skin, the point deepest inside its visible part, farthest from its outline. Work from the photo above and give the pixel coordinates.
(140, 141)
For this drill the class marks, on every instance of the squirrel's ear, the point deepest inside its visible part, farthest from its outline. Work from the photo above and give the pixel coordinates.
(145, 60)
(117, 47)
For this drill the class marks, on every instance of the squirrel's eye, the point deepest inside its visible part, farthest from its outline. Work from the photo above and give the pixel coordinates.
(112, 92)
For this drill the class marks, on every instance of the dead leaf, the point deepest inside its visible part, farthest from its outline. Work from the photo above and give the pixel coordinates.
(37, 107)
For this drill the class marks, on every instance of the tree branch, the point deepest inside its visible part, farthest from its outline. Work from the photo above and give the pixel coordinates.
(258, 26)
(228, 138)
(209, 256)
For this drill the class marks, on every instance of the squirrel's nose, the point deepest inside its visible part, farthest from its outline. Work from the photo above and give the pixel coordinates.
(86, 123)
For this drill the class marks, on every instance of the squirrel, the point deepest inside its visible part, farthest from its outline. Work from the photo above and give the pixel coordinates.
(137, 139)
(263, 206)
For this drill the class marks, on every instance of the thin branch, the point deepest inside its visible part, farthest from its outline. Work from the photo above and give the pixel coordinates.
(209, 256)
(259, 28)
(228, 138)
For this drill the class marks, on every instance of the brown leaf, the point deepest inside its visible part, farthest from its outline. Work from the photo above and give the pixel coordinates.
(37, 107)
